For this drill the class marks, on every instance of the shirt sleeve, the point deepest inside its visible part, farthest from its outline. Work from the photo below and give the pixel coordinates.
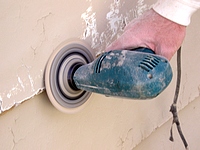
(179, 11)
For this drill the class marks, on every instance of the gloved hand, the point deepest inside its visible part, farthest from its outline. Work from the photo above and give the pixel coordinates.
(152, 31)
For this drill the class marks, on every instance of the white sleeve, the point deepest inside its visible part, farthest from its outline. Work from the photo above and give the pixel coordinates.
(179, 11)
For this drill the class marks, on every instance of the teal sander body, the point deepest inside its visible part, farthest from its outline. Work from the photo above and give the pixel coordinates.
(135, 74)
(72, 74)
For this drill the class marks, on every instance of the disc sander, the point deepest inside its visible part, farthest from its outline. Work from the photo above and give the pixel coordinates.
(61, 66)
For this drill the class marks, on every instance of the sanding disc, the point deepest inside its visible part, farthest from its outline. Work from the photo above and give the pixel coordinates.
(62, 64)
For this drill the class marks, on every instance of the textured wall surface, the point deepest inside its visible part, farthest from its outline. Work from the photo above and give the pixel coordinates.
(31, 30)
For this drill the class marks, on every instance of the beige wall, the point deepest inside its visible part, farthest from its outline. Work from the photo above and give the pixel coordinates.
(36, 124)
(32, 29)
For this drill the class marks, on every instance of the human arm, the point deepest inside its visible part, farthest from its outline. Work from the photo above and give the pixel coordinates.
(158, 31)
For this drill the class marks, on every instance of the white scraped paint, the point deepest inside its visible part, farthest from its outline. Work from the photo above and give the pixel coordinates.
(10, 98)
(116, 22)
(114, 18)
(91, 25)
(31, 82)
(11, 94)
(140, 8)
(21, 83)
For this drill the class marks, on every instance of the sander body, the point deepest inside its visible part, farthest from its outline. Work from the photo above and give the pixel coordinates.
(72, 75)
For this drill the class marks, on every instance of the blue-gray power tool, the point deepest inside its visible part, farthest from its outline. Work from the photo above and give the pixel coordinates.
(72, 74)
